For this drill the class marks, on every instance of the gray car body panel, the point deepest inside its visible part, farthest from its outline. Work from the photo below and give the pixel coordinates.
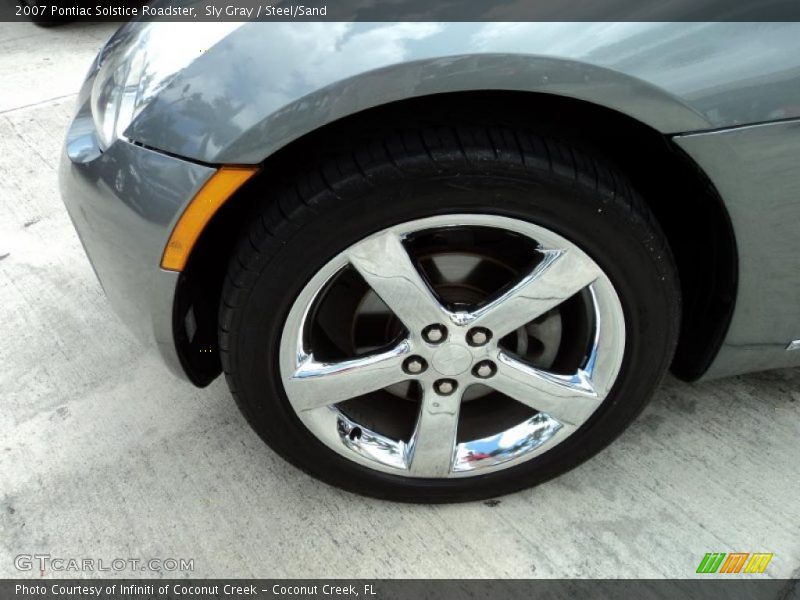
(268, 84)
(755, 169)
(124, 203)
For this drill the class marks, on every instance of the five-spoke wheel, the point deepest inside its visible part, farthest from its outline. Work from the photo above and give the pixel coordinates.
(446, 344)
(446, 314)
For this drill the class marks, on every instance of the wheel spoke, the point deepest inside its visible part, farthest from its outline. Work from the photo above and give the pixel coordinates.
(560, 275)
(432, 445)
(570, 399)
(387, 268)
(317, 384)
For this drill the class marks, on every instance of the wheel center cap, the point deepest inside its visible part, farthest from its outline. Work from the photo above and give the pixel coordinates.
(451, 360)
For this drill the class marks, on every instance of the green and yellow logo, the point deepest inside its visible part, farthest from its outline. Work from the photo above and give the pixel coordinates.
(734, 562)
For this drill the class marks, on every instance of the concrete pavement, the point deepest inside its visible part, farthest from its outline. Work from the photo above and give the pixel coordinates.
(104, 455)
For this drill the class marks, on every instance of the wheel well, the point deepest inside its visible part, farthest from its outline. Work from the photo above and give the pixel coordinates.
(684, 201)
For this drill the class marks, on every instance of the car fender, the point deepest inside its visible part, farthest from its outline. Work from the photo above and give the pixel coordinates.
(236, 103)
(266, 84)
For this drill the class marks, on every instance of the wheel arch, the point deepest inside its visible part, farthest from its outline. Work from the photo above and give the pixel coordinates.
(684, 201)
(217, 114)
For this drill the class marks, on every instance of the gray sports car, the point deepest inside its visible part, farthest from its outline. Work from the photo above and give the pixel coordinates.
(445, 261)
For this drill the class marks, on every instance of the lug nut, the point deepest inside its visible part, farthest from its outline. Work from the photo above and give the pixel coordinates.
(414, 365)
(434, 333)
(478, 336)
(445, 387)
(484, 369)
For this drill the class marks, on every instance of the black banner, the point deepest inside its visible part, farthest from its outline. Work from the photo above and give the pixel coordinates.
(728, 588)
(401, 10)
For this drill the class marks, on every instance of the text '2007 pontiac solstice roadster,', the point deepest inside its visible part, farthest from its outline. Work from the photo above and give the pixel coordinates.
(445, 261)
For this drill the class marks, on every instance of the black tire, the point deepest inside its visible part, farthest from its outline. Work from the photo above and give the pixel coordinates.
(334, 202)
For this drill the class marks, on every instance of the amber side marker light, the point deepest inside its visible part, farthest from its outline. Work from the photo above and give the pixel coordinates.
(214, 193)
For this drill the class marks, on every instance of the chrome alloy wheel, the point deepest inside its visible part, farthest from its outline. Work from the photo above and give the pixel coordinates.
(490, 377)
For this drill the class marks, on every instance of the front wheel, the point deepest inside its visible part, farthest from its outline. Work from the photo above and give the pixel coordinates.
(456, 314)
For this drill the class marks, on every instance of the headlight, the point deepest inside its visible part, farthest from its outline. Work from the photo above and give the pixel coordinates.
(140, 61)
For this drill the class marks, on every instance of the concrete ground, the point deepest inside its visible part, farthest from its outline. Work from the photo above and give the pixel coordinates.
(104, 455)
